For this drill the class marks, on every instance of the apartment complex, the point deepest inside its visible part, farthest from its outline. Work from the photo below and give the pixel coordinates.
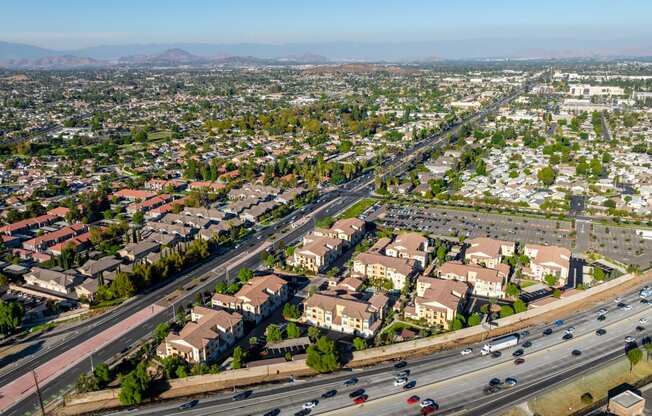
(209, 333)
(487, 251)
(485, 282)
(412, 246)
(346, 313)
(256, 299)
(437, 301)
(548, 260)
(376, 266)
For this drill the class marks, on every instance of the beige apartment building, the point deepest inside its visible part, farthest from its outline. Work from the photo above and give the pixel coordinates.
(485, 282)
(350, 230)
(437, 301)
(548, 260)
(256, 299)
(209, 333)
(317, 252)
(487, 251)
(345, 313)
(412, 246)
(376, 266)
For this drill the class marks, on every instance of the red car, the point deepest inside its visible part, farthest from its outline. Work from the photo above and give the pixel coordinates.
(428, 410)
(413, 400)
(360, 399)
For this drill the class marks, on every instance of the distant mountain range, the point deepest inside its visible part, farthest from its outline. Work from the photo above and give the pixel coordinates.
(16, 55)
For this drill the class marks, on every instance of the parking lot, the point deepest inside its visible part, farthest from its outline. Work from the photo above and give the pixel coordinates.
(621, 244)
(470, 224)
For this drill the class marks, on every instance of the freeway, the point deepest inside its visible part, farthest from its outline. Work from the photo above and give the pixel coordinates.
(455, 382)
(248, 255)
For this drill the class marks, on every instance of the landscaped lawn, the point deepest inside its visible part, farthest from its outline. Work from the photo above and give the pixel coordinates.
(358, 208)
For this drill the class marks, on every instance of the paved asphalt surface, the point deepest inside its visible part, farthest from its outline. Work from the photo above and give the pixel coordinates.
(455, 382)
(249, 250)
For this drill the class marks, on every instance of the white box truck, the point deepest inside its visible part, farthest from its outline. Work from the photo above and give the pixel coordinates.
(499, 344)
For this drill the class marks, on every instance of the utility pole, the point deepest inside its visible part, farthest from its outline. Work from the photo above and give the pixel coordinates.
(38, 393)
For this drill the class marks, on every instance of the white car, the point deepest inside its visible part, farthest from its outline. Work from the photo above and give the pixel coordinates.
(310, 405)
(400, 381)
(618, 299)
(630, 339)
(570, 330)
(466, 351)
(627, 307)
(642, 321)
(602, 311)
(427, 402)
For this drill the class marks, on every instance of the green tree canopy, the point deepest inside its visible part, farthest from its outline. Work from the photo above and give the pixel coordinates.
(11, 316)
(322, 355)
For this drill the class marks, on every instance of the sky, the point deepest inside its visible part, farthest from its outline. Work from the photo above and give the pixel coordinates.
(70, 24)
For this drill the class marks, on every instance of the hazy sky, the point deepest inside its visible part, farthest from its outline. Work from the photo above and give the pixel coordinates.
(75, 23)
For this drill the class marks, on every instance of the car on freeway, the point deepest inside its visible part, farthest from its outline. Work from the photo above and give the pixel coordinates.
(273, 412)
(570, 330)
(402, 374)
(630, 339)
(351, 382)
(189, 405)
(559, 322)
(356, 393)
(601, 331)
(400, 364)
(410, 385)
(496, 354)
(518, 352)
(310, 405)
(242, 395)
(511, 381)
(428, 410)
(527, 344)
(495, 382)
(627, 307)
(642, 321)
(361, 399)
(602, 311)
(466, 351)
(525, 333)
(567, 336)
(413, 400)
(547, 331)
(519, 361)
(618, 299)
(427, 402)
(602, 317)
(576, 353)
(329, 394)
(640, 328)
(302, 412)
(400, 381)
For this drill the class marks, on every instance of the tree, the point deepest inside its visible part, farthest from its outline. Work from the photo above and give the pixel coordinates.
(587, 398)
(11, 316)
(598, 274)
(102, 374)
(273, 333)
(546, 176)
(172, 364)
(474, 319)
(512, 290)
(322, 355)
(313, 333)
(245, 275)
(634, 356)
(556, 294)
(550, 280)
(138, 218)
(457, 324)
(122, 286)
(291, 311)
(519, 306)
(238, 358)
(86, 383)
(293, 331)
(506, 311)
(161, 331)
(359, 344)
(135, 385)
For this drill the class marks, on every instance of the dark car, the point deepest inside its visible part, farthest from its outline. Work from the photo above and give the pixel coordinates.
(567, 336)
(329, 394)
(519, 361)
(518, 353)
(527, 344)
(400, 364)
(410, 385)
(602, 317)
(356, 393)
(428, 410)
(242, 396)
(601, 332)
(576, 353)
(351, 382)
(491, 389)
(496, 354)
(495, 382)
(189, 405)
(302, 412)
(274, 412)
(640, 328)
(547, 331)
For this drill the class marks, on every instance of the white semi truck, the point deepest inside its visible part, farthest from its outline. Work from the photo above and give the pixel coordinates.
(499, 344)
